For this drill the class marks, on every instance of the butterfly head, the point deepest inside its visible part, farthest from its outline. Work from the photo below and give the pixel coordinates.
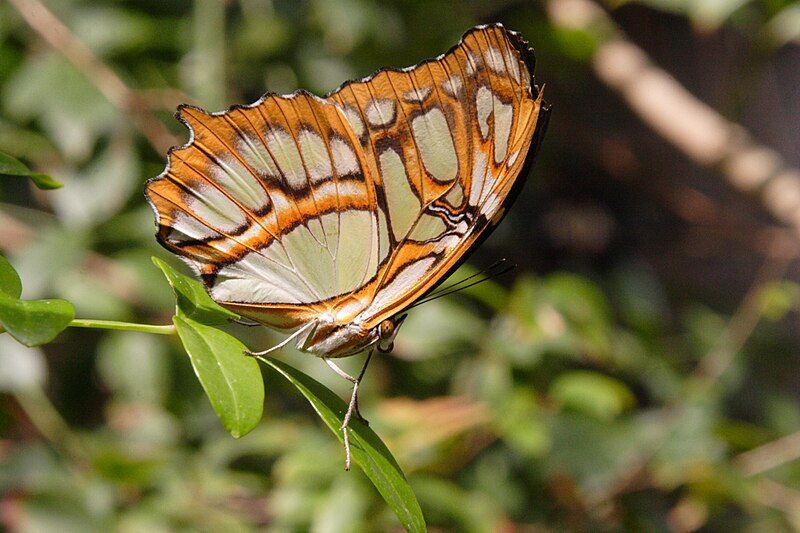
(387, 331)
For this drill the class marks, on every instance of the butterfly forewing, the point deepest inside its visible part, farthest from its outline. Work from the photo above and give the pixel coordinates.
(346, 209)
(448, 137)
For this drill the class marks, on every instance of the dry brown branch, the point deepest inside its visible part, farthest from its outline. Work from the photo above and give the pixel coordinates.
(772, 494)
(59, 36)
(770, 455)
(712, 141)
(694, 128)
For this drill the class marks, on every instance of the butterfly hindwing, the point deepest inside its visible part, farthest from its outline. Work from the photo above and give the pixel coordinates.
(272, 204)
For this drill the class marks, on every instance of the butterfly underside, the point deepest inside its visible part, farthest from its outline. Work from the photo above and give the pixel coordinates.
(327, 216)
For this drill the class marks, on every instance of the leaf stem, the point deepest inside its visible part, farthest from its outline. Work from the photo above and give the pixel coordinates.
(124, 326)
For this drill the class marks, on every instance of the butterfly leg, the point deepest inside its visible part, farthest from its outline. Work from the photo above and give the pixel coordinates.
(281, 344)
(352, 407)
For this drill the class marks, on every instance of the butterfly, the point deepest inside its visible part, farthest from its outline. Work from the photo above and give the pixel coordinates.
(328, 217)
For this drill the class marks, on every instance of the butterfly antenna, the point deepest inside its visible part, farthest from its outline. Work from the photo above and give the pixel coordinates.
(438, 295)
(472, 276)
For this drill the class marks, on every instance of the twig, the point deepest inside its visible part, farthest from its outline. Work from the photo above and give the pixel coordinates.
(710, 368)
(694, 128)
(770, 455)
(772, 494)
(50, 424)
(746, 317)
(59, 36)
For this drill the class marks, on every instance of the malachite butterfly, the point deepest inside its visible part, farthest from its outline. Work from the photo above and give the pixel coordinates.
(327, 217)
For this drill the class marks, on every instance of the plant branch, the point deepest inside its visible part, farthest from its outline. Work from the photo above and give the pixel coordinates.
(49, 422)
(700, 132)
(770, 455)
(747, 315)
(772, 494)
(61, 38)
(710, 368)
(168, 329)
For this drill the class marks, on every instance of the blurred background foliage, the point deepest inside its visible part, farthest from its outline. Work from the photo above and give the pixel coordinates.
(637, 371)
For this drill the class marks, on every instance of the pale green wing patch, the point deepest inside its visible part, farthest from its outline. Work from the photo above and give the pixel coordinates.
(404, 206)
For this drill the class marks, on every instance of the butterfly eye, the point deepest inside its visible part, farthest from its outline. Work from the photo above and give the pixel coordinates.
(386, 329)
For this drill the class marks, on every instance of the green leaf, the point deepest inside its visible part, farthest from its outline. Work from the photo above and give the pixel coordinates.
(34, 322)
(784, 27)
(192, 299)
(97, 191)
(231, 379)
(592, 393)
(48, 90)
(368, 451)
(10, 166)
(10, 283)
(776, 298)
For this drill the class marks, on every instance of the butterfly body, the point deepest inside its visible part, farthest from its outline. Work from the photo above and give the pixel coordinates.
(327, 217)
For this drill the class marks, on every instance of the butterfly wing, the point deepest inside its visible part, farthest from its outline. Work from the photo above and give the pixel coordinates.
(447, 139)
(272, 204)
(352, 206)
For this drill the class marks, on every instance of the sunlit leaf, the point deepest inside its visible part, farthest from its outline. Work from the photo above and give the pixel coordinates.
(592, 393)
(777, 298)
(231, 379)
(72, 112)
(785, 26)
(368, 451)
(34, 322)
(192, 299)
(95, 192)
(10, 166)
(10, 283)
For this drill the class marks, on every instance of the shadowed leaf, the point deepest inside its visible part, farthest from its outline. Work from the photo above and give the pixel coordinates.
(192, 299)
(10, 166)
(368, 451)
(35, 322)
(10, 283)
